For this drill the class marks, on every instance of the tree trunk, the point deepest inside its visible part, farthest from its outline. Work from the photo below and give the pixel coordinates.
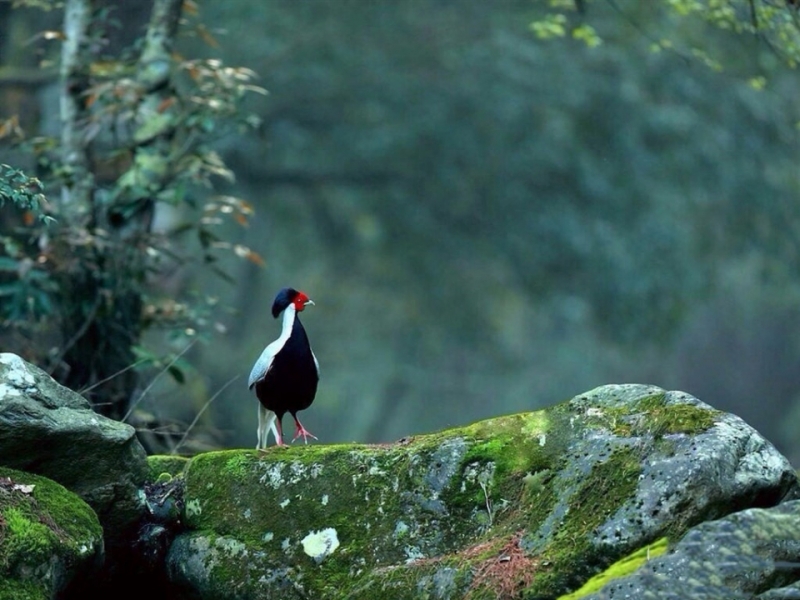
(102, 295)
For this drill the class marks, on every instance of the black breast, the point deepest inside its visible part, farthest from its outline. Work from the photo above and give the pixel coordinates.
(291, 382)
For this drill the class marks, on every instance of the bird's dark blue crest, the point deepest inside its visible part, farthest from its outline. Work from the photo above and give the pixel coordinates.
(282, 300)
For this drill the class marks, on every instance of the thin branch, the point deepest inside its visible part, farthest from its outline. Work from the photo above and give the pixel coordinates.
(156, 378)
(76, 336)
(753, 15)
(110, 377)
(202, 410)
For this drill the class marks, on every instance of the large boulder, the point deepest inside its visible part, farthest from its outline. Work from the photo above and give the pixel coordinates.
(754, 553)
(48, 537)
(532, 504)
(50, 430)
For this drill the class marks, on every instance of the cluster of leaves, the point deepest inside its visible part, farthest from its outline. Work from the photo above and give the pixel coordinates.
(775, 23)
(27, 193)
(25, 287)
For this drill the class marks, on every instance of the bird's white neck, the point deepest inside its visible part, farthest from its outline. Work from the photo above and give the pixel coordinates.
(288, 321)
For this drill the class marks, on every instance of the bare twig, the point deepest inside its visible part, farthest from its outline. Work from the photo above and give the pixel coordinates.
(489, 507)
(76, 336)
(156, 378)
(110, 377)
(201, 411)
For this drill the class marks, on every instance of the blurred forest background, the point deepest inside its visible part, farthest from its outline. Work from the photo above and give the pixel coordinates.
(488, 221)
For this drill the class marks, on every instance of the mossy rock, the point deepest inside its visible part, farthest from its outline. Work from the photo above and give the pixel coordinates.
(532, 504)
(751, 554)
(163, 467)
(97, 458)
(48, 535)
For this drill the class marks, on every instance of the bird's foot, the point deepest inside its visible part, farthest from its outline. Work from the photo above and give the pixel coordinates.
(302, 431)
(265, 450)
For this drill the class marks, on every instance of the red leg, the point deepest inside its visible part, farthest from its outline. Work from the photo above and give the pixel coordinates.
(300, 430)
(279, 439)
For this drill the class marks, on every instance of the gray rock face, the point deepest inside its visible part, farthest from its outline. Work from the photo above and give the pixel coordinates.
(50, 430)
(528, 505)
(736, 557)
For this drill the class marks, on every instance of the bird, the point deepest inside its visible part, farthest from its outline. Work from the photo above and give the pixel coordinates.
(286, 374)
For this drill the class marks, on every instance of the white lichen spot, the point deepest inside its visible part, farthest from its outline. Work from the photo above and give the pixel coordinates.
(248, 514)
(325, 500)
(319, 544)
(210, 485)
(316, 470)
(413, 553)
(542, 439)
(273, 475)
(375, 470)
(231, 546)
(470, 473)
(396, 484)
(380, 510)
(401, 529)
(285, 503)
(18, 374)
(193, 507)
(7, 391)
(268, 537)
(594, 412)
(297, 471)
(286, 545)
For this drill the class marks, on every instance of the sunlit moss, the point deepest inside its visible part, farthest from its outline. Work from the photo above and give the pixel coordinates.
(621, 568)
(159, 464)
(41, 524)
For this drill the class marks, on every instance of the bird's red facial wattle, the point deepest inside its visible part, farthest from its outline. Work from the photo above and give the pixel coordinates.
(301, 301)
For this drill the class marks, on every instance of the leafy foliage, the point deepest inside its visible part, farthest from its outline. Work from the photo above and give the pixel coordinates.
(140, 137)
(776, 24)
(25, 192)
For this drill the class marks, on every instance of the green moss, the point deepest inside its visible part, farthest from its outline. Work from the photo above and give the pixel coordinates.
(425, 497)
(159, 464)
(11, 589)
(653, 416)
(417, 518)
(570, 556)
(622, 568)
(40, 520)
(662, 418)
(76, 522)
(26, 539)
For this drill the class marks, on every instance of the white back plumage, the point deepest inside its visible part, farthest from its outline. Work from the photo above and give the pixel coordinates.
(264, 361)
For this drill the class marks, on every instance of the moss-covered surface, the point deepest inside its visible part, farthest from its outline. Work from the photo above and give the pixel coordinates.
(622, 568)
(12, 589)
(163, 467)
(653, 415)
(46, 534)
(530, 505)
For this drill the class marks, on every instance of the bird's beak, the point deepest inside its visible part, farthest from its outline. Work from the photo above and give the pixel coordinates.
(309, 301)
